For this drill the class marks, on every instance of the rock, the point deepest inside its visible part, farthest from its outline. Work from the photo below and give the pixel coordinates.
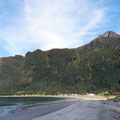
(69, 60)
(116, 47)
(110, 34)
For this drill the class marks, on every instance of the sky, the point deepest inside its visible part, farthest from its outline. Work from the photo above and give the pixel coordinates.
(27, 25)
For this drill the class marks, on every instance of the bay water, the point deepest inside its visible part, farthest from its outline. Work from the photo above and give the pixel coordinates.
(11, 104)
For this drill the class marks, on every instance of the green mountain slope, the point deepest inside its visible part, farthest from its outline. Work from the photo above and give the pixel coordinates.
(94, 67)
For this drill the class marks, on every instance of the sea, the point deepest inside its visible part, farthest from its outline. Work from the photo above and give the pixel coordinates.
(9, 105)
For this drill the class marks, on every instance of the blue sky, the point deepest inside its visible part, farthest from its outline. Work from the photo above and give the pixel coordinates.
(27, 25)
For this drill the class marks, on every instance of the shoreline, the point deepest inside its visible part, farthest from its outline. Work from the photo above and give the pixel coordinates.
(34, 110)
(66, 96)
(44, 111)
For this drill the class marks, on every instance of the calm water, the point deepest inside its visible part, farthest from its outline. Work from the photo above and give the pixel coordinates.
(10, 104)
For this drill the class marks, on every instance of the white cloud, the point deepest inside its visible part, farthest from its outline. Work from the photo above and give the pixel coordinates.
(47, 24)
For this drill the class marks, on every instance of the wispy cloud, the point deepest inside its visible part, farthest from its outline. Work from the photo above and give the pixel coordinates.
(47, 24)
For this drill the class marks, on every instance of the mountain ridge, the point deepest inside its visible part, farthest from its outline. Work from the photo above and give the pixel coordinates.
(94, 67)
(107, 34)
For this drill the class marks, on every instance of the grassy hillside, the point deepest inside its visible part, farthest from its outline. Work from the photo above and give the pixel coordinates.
(94, 67)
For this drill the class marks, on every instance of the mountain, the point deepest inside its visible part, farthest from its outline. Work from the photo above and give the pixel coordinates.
(94, 67)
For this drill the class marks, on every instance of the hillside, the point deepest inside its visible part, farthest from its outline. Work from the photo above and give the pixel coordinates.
(94, 67)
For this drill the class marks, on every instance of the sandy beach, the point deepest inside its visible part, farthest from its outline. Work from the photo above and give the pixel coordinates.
(86, 110)
(72, 109)
(1, 111)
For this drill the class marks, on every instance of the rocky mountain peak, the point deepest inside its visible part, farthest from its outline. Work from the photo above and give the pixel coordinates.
(110, 34)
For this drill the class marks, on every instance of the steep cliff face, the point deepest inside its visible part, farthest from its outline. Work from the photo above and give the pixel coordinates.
(94, 67)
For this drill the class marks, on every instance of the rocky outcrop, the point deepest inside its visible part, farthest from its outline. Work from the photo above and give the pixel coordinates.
(69, 60)
(117, 47)
(110, 34)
